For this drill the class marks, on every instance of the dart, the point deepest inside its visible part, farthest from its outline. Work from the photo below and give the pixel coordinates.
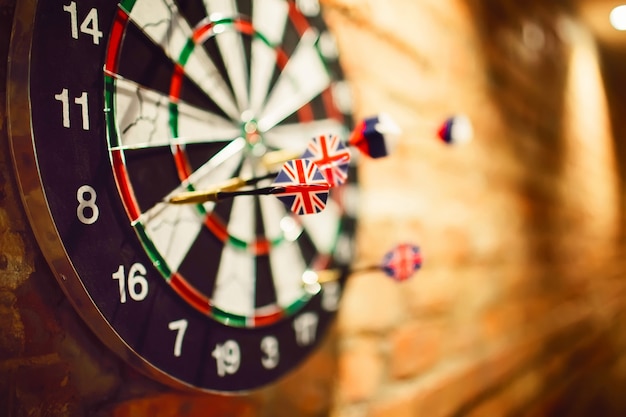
(375, 136)
(399, 264)
(302, 200)
(299, 185)
(456, 130)
(402, 262)
(212, 194)
(328, 152)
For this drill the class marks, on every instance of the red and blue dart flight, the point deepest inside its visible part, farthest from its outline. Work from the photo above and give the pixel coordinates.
(375, 136)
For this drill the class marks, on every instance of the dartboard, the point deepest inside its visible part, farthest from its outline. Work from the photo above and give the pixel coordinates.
(121, 107)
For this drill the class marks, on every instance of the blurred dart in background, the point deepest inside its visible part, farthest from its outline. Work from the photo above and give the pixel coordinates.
(375, 136)
(456, 130)
(399, 264)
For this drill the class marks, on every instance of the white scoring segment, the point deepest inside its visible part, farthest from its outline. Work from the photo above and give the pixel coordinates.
(269, 20)
(286, 259)
(235, 284)
(173, 230)
(303, 78)
(323, 227)
(217, 9)
(230, 44)
(231, 48)
(296, 136)
(145, 120)
(162, 23)
(201, 69)
(142, 116)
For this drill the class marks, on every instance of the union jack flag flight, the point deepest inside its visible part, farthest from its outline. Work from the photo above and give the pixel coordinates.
(401, 262)
(305, 188)
(331, 156)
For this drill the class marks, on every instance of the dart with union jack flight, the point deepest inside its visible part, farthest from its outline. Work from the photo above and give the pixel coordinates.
(400, 264)
(331, 156)
(374, 136)
(299, 185)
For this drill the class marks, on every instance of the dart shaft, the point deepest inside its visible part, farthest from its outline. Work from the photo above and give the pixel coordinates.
(202, 196)
(275, 158)
(277, 190)
(199, 197)
(324, 276)
(193, 197)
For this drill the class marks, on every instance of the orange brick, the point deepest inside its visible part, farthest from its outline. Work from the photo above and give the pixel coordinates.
(399, 406)
(371, 303)
(431, 292)
(360, 371)
(415, 347)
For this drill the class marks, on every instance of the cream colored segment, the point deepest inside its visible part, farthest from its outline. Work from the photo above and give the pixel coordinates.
(235, 284)
(269, 19)
(144, 120)
(236, 277)
(303, 78)
(323, 227)
(173, 230)
(296, 136)
(231, 49)
(285, 258)
(162, 23)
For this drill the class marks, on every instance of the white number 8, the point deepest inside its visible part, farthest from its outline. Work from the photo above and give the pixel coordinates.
(87, 210)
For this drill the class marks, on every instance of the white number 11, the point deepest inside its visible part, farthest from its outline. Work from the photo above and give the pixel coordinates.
(82, 101)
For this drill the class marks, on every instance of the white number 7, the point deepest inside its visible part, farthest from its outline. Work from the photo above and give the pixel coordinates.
(180, 326)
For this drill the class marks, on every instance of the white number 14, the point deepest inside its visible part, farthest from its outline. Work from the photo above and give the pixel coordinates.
(89, 25)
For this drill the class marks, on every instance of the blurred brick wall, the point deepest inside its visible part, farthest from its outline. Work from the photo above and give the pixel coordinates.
(518, 309)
